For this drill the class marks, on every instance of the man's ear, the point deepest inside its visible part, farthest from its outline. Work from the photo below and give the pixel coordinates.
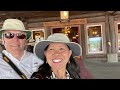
(3, 42)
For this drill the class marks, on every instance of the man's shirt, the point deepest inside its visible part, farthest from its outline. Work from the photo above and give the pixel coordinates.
(28, 64)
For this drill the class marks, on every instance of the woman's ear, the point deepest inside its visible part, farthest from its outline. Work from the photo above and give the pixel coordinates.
(70, 53)
(45, 53)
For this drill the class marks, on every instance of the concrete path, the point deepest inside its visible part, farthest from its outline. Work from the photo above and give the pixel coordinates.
(103, 70)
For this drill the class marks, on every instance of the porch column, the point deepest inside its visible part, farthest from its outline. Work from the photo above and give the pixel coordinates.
(112, 55)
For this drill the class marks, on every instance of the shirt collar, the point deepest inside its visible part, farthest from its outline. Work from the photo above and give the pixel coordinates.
(12, 57)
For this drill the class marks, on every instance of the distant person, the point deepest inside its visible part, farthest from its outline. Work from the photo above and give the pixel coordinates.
(37, 38)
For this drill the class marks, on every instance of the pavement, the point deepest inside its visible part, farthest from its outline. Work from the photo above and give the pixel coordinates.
(103, 70)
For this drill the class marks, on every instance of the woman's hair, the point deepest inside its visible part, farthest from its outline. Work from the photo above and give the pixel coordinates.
(44, 71)
(73, 68)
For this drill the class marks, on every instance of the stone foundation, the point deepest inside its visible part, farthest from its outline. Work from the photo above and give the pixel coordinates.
(112, 57)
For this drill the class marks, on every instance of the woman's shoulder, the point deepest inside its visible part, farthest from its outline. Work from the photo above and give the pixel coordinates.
(42, 73)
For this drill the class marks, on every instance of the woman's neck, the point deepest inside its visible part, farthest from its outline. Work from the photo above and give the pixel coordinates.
(60, 74)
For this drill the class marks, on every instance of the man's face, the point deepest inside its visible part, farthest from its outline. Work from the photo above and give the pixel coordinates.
(14, 40)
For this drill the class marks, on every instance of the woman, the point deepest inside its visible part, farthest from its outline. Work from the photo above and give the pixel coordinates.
(58, 54)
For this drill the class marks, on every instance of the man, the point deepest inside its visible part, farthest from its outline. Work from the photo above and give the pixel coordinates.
(15, 61)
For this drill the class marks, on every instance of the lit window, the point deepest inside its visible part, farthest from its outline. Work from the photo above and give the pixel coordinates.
(94, 39)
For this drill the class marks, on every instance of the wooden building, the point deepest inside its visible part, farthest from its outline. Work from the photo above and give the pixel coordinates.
(98, 32)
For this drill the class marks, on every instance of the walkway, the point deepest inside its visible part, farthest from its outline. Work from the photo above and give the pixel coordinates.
(103, 70)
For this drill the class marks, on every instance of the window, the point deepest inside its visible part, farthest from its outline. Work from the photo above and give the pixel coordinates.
(72, 32)
(119, 37)
(117, 27)
(38, 34)
(94, 38)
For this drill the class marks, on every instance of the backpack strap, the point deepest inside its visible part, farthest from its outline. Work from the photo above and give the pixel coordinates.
(6, 59)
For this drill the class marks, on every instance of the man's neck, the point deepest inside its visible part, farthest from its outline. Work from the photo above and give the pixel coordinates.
(17, 55)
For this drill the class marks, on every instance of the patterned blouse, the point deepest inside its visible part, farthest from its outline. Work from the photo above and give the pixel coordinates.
(54, 77)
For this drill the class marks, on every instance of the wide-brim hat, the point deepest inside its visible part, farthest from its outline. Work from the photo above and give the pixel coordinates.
(57, 37)
(14, 24)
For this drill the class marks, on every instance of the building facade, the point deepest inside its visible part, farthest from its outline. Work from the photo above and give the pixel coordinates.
(98, 33)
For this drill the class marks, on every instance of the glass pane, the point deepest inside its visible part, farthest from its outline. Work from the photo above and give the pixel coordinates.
(94, 39)
(38, 35)
(119, 36)
(71, 32)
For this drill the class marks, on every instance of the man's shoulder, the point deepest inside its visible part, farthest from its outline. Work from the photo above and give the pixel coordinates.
(29, 54)
(32, 58)
(1, 59)
(0, 55)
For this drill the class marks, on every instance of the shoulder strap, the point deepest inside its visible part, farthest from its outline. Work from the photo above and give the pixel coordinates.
(6, 59)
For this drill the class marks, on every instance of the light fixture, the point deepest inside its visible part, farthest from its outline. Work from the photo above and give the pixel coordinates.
(66, 30)
(64, 16)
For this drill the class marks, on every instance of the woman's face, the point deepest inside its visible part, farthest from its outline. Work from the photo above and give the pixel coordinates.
(58, 55)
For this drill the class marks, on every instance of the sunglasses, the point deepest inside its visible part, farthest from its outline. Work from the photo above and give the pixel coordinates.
(10, 35)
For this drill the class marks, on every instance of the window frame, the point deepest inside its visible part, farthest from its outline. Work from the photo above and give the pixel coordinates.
(116, 30)
(102, 24)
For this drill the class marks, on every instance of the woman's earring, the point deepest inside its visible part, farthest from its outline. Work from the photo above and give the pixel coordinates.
(68, 61)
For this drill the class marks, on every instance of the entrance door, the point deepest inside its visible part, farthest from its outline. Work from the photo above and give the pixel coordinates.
(72, 32)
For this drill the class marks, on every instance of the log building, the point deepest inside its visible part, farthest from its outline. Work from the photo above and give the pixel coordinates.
(98, 32)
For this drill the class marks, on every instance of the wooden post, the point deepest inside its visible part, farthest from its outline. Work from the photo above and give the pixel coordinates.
(108, 40)
(82, 30)
(112, 35)
(112, 55)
